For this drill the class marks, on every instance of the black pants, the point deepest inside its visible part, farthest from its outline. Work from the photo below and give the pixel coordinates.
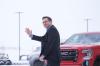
(53, 63)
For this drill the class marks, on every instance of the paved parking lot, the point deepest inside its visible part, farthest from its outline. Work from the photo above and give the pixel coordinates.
(14, 65)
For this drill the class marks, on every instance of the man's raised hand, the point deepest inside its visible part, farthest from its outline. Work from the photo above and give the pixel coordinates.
(28, 31)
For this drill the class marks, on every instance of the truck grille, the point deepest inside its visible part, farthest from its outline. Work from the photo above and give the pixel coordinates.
(69, 55)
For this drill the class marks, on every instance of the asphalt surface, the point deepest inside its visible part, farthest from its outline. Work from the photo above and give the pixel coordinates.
(14, 65)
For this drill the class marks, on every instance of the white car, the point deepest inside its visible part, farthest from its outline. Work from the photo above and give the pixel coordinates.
(4, 59)
(34, 56)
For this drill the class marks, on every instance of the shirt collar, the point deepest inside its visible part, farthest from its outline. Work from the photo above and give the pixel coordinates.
(49, 27)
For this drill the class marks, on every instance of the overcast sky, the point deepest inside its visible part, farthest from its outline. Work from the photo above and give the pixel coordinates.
(68, 16)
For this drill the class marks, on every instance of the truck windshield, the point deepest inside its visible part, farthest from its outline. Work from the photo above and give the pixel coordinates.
(84, 38)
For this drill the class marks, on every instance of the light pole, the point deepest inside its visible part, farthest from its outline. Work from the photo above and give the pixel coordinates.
(87, 23)
(19, 13)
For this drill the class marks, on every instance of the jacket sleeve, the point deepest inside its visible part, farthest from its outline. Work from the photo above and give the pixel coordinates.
(39, 38)
(50, 42)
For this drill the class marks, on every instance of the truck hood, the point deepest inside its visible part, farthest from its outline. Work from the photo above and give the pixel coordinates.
(75, 46)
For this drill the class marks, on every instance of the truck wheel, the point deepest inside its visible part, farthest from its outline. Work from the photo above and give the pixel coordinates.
(8, 62)
(97, 63)
(2, 62)
(38, 63)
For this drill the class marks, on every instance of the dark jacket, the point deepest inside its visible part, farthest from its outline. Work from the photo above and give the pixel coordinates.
(50, 44)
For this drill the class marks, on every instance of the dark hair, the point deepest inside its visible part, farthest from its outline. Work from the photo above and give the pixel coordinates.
(49, 18)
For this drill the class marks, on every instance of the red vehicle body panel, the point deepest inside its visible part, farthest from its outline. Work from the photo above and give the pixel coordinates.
(79, 47)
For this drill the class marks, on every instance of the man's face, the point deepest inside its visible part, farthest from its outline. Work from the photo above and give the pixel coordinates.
(46, 22)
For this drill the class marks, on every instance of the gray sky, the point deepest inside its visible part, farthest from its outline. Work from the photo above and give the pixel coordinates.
(68, 16)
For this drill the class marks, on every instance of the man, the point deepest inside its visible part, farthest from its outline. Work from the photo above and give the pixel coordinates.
(50, 52)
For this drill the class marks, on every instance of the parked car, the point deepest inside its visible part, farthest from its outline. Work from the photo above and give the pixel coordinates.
(34, 56)
(81, 49)
(4, 59)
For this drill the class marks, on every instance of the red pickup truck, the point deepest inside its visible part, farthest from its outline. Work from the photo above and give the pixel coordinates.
(81, 49)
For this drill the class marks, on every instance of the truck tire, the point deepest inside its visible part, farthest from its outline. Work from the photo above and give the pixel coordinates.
(8, 62)
(2, 62)
(36, 62)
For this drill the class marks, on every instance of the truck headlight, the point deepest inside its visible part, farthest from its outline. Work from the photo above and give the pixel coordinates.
(87, 53)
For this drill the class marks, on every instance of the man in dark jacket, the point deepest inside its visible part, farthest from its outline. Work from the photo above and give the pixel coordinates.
(50, 52)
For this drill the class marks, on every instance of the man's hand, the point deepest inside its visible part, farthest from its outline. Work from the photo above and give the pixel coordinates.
(28, 31)
(41, 58)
